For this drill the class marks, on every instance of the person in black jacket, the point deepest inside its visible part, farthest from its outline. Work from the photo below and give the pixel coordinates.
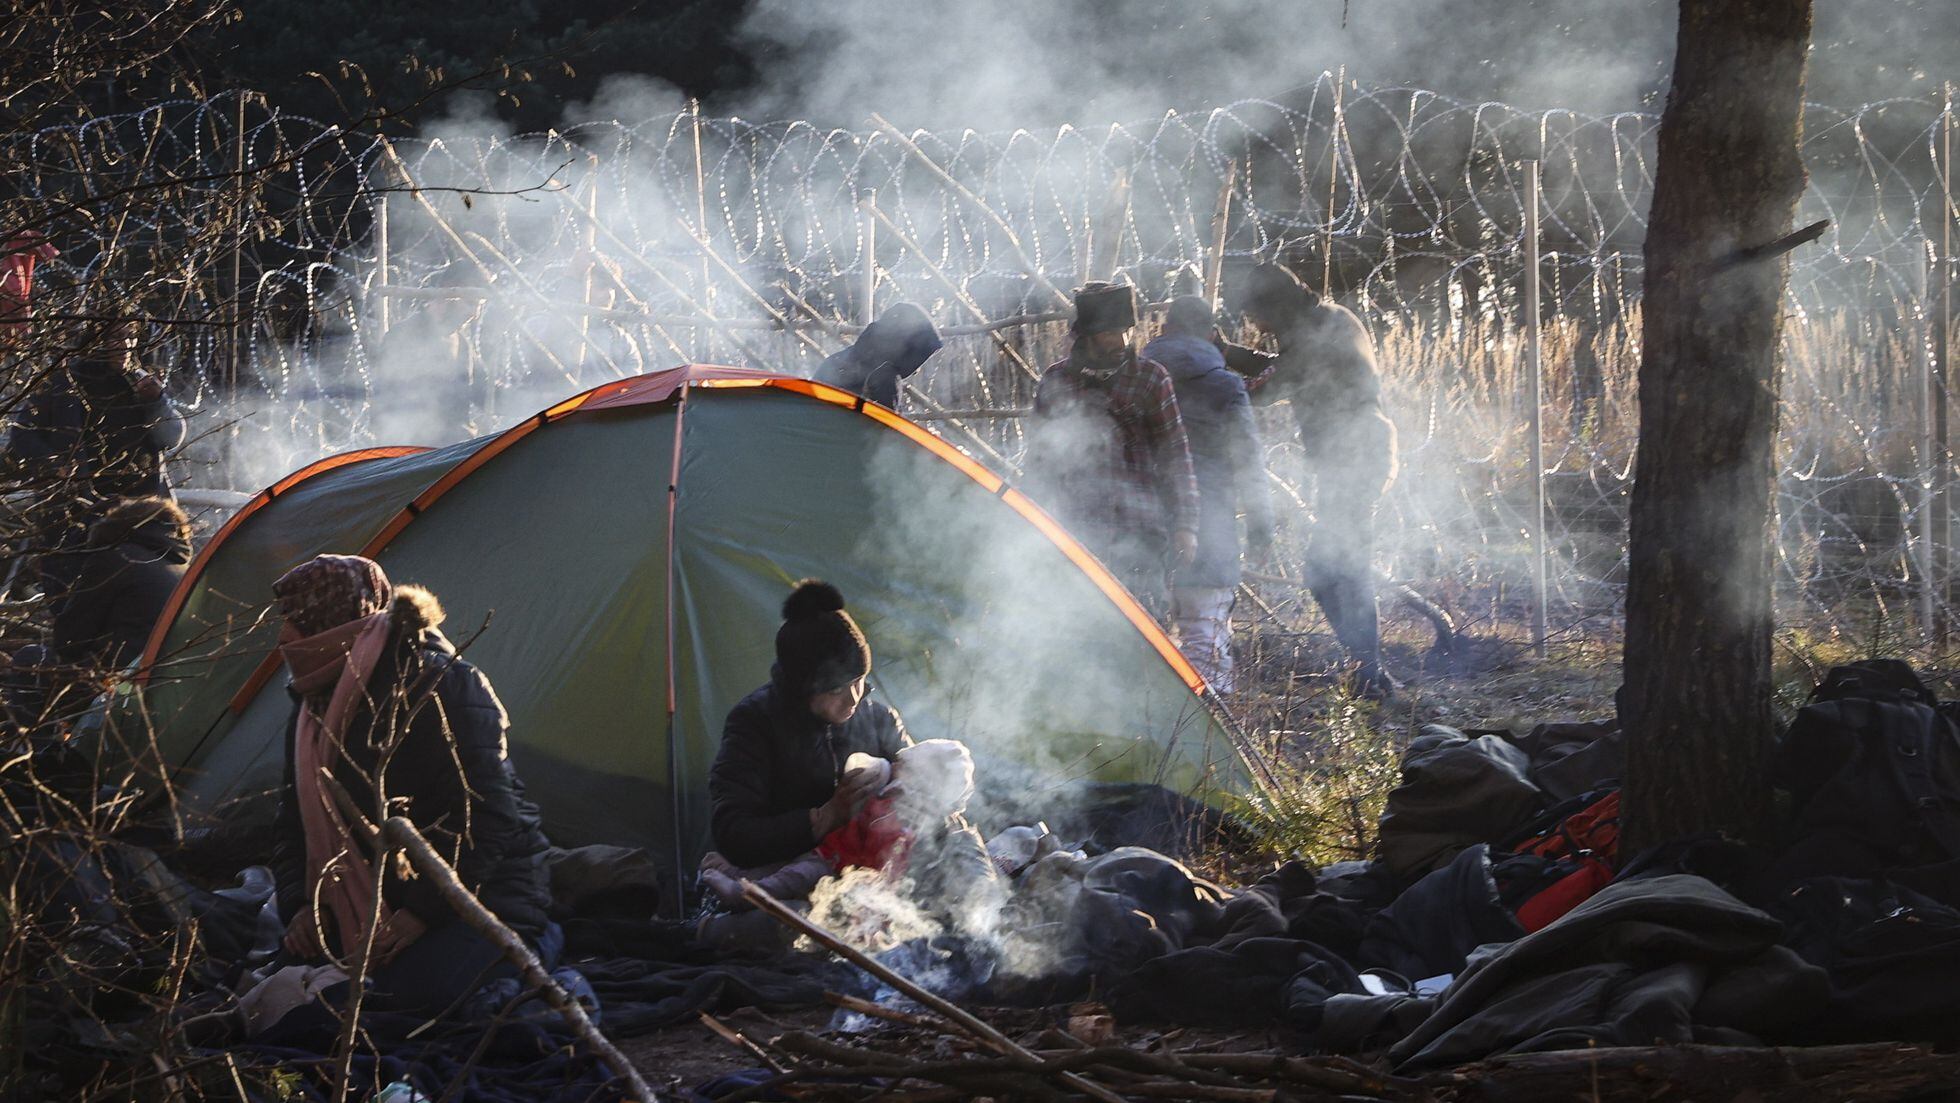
(1325, 369)
(1230, 464)
(778, 784)
(891, 349)
(383, 702)
(93, 432)
(136, 555)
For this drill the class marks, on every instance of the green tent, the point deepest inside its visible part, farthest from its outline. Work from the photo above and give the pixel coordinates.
(616, 565)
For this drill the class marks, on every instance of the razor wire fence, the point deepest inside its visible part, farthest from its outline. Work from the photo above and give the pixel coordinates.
(417, 291)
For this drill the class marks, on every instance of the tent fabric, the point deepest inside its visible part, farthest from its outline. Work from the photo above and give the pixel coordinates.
(616, 566)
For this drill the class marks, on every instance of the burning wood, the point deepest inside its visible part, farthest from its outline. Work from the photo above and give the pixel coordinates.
(1091, 1065)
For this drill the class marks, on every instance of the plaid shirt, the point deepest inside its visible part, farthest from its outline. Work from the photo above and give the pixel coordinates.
(1109, 449)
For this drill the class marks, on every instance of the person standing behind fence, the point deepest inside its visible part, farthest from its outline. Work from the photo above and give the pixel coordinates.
(1230, 465)
(889, 351)
(1325, 369)
(1107, 450)
(92, 432)
(102, 421)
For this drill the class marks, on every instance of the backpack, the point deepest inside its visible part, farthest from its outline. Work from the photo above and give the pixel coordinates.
(1872, 767)
(1579, 841)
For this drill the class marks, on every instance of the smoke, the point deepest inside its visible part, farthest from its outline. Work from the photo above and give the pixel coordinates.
(1024, 63)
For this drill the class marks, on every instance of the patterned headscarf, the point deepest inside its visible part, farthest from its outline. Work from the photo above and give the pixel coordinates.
(328, 591)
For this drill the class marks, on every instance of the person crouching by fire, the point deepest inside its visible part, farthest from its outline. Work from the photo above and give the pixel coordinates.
(779, 783)
(1107, 451)
(911, 838)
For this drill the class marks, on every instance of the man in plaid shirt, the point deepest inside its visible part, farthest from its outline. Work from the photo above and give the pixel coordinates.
(1107, 452)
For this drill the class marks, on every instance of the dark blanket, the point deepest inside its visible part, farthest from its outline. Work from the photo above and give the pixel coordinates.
(519, 1062)
(1457, 790)
(1433, 926)
(1643, 962)
(1892, 954)
(639, 995)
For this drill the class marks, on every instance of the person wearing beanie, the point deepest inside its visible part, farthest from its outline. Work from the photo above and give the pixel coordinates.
(912, 833)
(1325, 370)
(1107, 451)
(1230, 464)
(890, 350)
(779, 783)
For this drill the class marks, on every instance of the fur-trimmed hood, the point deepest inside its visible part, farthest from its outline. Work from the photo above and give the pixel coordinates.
(416, 610)
(156, 526)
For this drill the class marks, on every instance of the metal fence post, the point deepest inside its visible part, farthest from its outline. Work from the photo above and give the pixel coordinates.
(868, 228)
(1535, 363)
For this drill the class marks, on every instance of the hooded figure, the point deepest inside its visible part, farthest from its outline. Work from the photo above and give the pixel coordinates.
(1230, 464)
(374, 681)
(1107, 451)
(136, 556)
(779, 783)
(103, 422)
(890, 349)
(92, 433)
(1325, 369)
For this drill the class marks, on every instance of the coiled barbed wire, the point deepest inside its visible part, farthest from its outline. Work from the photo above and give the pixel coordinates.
(613, 247)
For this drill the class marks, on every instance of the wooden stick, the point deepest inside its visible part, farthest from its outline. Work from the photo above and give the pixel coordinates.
(687, 300)
(889, 1014)
(959, 293)
(1163, 1076)
(1220, 220)
(456, 239)
(760, 897)
(1013, 242)
(1345, 1077)
(1778, 247)
(1171, 1089)
(984, 412)
(400, 833)
(740, 1041)
(782, 321)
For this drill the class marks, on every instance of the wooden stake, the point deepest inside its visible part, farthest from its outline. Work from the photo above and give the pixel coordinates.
(1220, 220)
(1013, 242)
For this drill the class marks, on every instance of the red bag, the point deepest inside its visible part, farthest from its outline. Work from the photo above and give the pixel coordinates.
(873, 840)
(1593, 832)
(1563, 895)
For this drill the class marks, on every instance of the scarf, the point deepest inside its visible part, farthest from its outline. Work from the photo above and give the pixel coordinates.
(331, 671)
(1098, 371)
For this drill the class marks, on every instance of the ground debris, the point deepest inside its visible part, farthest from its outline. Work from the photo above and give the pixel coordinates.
(1871, 1073)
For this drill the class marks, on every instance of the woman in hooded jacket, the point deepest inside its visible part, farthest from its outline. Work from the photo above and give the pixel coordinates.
(136, 555)
(382, 703)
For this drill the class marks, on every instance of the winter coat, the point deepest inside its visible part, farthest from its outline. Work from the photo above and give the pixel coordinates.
(450, 776)
(105, 618)
(1108, 452)
(89, 424)
(1225, 455)
(1325, 370)
(890, 349)
(777, 761)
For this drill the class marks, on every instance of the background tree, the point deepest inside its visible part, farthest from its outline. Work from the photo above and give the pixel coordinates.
(1697, 698)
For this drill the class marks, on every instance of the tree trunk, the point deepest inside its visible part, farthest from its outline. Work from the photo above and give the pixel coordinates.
(1696, 703)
